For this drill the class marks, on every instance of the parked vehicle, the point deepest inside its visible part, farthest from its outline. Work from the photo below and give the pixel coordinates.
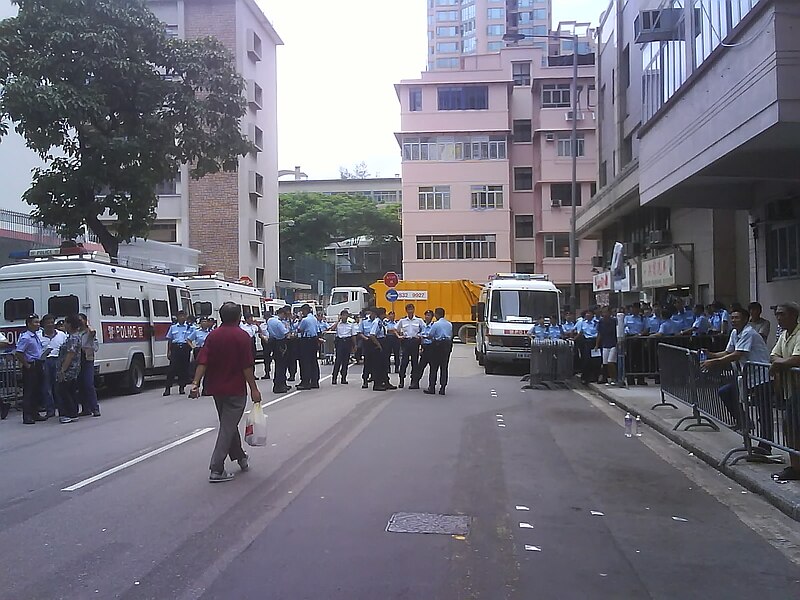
(210, 292)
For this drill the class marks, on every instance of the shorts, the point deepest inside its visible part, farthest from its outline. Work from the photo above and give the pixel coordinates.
(609, 356)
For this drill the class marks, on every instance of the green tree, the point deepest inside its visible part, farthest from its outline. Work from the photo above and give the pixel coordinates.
(113, 106)
(321, 220)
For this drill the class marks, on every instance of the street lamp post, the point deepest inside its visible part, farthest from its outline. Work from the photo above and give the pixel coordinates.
(573, 243)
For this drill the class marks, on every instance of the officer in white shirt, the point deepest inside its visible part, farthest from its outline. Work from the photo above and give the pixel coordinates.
(409, 330)
(344, 345)
(52, 340)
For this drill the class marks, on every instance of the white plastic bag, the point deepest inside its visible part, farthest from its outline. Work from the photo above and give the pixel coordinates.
(255, 428)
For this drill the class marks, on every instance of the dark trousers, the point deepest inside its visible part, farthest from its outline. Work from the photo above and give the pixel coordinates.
(292, 355)
(440, 364)
(279, 350)
(230, 410)
(393, 349)
(635, 347)
(266, 354)
(368, 356)
(378, 360)
(309, 365)
(591, 365)
(31, 390)
(342, 346)
(178, 365)
(68, 398)
(50, 385)
(426, 357)
(87, 393)
(410, 354)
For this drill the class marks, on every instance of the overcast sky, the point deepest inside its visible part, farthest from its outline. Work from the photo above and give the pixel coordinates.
(336, 101)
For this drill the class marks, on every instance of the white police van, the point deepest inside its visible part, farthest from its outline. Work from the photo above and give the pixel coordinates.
(210, 292)
(131, 310)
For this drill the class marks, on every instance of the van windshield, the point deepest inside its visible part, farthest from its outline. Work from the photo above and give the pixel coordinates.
(523, 306)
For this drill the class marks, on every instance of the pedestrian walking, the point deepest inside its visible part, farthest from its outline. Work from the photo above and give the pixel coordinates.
(52, 339)
(308, 333)
(344, 345)
(441, 335)
(68, 370)
(29, 354)
(607, 344)
(178, 354)
(426, 351)
(87, 392)
(278, 333)
(409, 329)
(226, 364)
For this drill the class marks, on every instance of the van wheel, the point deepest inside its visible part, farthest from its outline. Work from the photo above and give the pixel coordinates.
(489, 367)
(133, 381)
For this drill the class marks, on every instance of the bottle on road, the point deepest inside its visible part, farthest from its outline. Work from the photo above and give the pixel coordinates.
(638, 426)
(628, 425)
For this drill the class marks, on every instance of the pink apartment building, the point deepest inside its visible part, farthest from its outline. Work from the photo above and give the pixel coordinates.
(487, 168)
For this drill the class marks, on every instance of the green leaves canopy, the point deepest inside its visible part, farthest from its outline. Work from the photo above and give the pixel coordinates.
(113, 106)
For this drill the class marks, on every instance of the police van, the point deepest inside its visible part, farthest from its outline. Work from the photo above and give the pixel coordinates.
(131, 310)
(210, 292)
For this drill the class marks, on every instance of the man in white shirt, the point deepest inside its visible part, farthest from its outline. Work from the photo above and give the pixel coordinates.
(52, 340)
(344, 344)
(744, 345)
(409, 330)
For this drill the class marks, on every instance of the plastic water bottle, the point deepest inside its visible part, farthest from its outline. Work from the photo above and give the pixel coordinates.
(638, 429)
(628, 425)
(702, 355)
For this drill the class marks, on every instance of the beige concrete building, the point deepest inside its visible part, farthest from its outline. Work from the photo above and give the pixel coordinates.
(383, 190)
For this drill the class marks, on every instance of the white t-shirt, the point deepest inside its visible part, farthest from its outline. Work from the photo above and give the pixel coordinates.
(750, 344)
(51, 346)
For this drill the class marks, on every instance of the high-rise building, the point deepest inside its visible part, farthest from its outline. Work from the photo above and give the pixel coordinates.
(461, 28)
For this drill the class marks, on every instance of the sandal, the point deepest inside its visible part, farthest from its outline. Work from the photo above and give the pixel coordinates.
(788, 474)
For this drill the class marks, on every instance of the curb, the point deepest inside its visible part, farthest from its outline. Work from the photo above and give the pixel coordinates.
(788, 507)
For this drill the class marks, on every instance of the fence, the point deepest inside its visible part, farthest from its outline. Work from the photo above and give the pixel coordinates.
(10, 381)
(551, 360)
(641, 358)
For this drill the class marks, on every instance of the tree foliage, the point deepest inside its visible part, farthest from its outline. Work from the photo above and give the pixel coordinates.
(360, 171)
(114, 106)
(321, 220)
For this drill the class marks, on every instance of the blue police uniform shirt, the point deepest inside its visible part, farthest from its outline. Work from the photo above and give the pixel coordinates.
(378, 329)
(276, 329)
(538, 332)
(307, 327)
(634, 325)
(30, 346)
(653, 323)
(441, 330)
(554, 332)
(718, 318)
(669, 327)
(679, 321)
(178, 334)
(589, 328)
(391, 325)
(688, 318)
(322, 327)
(426, 334)
(701, 325)
(568, 327)
(198, 336)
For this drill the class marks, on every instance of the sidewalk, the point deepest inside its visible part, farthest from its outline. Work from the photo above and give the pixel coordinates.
(708, 445)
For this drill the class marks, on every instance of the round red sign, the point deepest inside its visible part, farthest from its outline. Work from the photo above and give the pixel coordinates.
(391, 279)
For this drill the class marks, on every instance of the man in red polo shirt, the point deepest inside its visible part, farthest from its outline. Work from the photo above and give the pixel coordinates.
(227, 362)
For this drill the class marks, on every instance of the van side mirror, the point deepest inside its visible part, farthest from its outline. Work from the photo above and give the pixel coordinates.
(479, 312)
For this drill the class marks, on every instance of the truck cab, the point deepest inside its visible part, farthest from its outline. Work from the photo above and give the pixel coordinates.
(353, 299)
(508, 306)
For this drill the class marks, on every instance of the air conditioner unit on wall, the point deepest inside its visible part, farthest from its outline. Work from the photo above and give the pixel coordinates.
(631, 248)
(549, 136)
(663, 25)
(555, 203)
(659, 236)
(256, 187)
(580, 116)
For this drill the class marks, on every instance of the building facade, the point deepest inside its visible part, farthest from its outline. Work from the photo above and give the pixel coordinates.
(462, 28)
(487, 168)
(699, 147)
(230, 217)
(383, 190)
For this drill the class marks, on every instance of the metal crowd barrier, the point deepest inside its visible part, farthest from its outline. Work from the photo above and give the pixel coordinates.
(551, 360)
(770, 408)
(684, 380)
(641, 357)
(10, 380)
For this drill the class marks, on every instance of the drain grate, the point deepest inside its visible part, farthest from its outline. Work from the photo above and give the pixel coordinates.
(407, 522)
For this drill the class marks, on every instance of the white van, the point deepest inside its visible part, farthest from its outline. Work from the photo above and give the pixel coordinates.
(210, 292)
(506, 311)
(131, 310)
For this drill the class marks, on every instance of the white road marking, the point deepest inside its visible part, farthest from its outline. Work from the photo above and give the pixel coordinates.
(521, 507)
(530, 548)
(294, 393)
(137, 460)
(525, 526)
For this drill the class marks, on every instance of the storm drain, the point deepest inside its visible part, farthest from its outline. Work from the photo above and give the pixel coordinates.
(406, 522)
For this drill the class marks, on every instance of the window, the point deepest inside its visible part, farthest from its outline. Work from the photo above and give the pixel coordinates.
(455, 147)
(783, 251)
(447, 2)
(447, 15)
(202, 309)
(160, 308)
(129, 307)
(434, 198)
(556, 245)
(340, 297)
(468, 13)
(469, 97)
(469, 45)
(592, 189)
(108, 306)
(62, 306)
(602, 176)
(17, 309)
(561, 194)
(487, 196)
(523, 179)
(169, 187)
(447, 31)
(507, 306)
(456, 247)
(556, 95)
(163, 232)
(521, 72)
(172, 32)
(255, 311)
(625, 68)
(496, 29)
(525, 268)
(523, 227)
(521, 131)
(447, 63)
(496, 45)
(447, 47)
(564, 141)
(540, 14)
(496, 13)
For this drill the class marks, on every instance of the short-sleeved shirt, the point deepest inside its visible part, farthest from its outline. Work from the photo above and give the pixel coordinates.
(410, 328)
(178, 334)
(227, 352)
(51, 345)
(635, 325)
(249, 329)
(276, 329)
(322, 327)
(198, 336)
(538, 331)
(788, 344)
(589, 328)
(442, 330)
(378, 329)
(426, 334)
(30, 346)
(669, 327)
(653, 323)
(345, 330)
(307, 327)
(567, 327)
(762, 327)
(701, 325)
(365, 326)
(750, 344)
(607, 331)
(72, 343)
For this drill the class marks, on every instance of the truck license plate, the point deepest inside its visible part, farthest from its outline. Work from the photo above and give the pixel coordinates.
(523, 354)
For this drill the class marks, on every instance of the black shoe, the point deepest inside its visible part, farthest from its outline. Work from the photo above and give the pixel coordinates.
(4, 410)
(244, 464)
(333, 381)
(50, 414)
(344, 382)
(414, 386)
(280, 390)
(314, 386)
(788, 474)
(182, 390)
(389, 386)
(267, 376)
(429, 391)
(39, 417)
(28, 421)
(401, 384)
(166, 393)
(364, 385)
(88, 413)
(441, 391)
(379, 388)
(303, 387)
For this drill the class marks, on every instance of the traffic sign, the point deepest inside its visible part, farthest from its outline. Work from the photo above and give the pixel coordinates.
(392, 294)
(391, 279)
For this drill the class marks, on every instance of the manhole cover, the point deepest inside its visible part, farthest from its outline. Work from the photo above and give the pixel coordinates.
(404, 522)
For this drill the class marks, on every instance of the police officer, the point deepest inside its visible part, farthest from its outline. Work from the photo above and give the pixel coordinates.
(364, 329)
(292, 345)
(197, 338)
(568, 326)
(29, 353)
(379, 353)
(308, 334)
(552, 330)
(538, 331)
(393, 340)
(426, 351)
(441, 334)
(178, 353)
(266, 347)
(408, 331)
(344, 345)
(635, 346)
(588, 336)
(278, 333)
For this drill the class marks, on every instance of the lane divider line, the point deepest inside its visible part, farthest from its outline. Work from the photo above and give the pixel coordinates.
(137, 460)
(289, 395)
